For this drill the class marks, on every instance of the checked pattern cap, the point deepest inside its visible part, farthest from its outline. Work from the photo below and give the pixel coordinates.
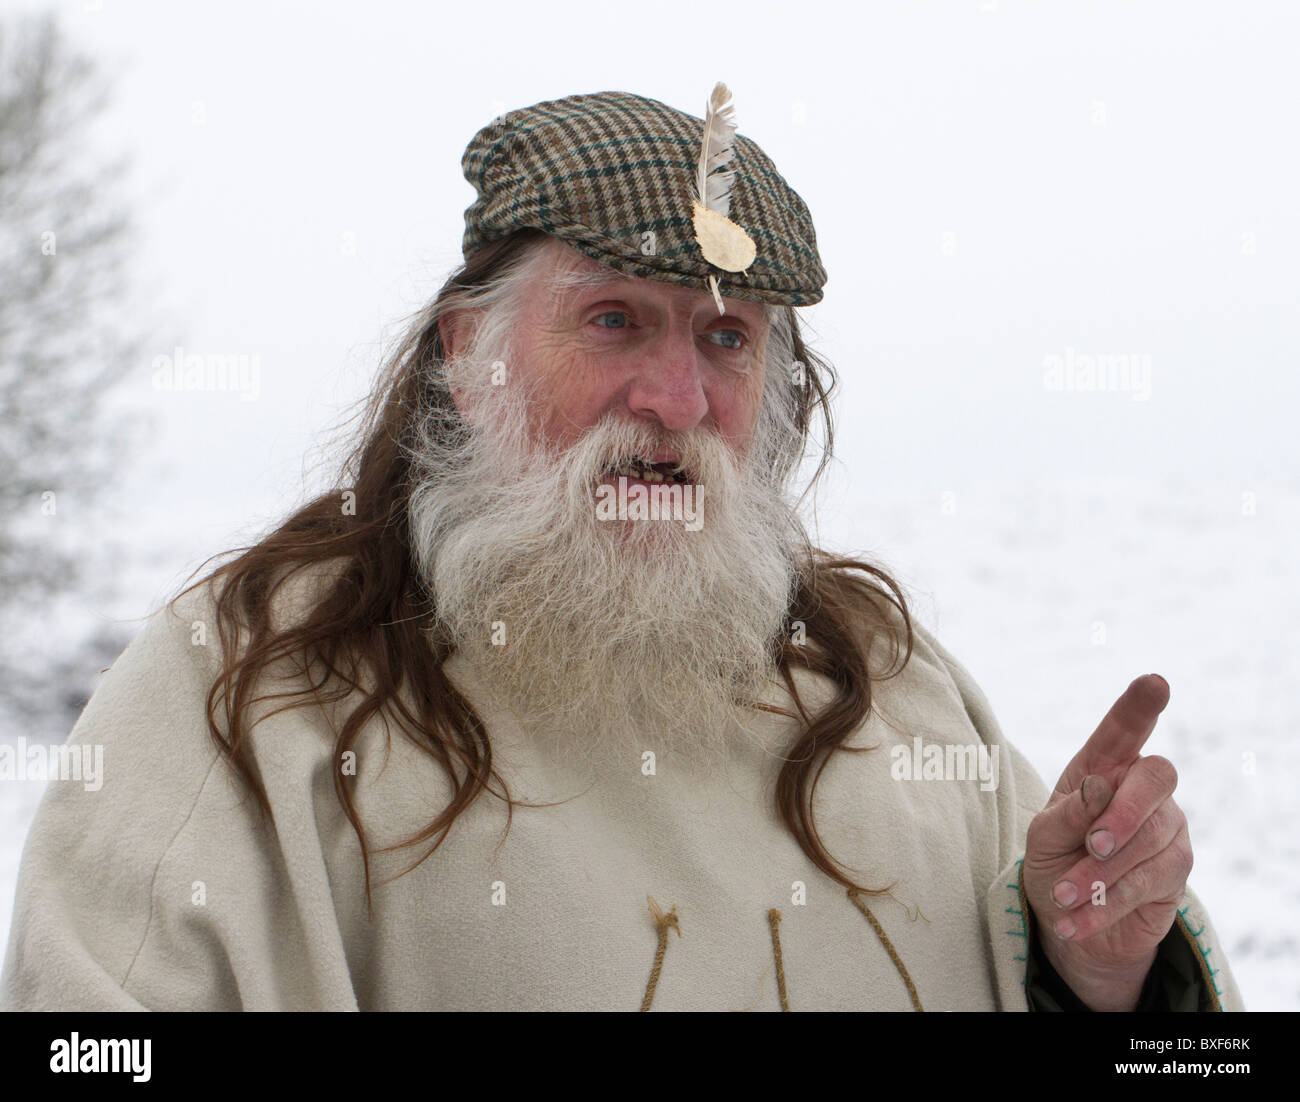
(613, 174)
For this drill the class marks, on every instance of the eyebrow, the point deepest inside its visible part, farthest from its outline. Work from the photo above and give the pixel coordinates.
(579, 280)
(565, 284)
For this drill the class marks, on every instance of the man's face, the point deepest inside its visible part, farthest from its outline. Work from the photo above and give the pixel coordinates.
(642, 349)
(616, 625)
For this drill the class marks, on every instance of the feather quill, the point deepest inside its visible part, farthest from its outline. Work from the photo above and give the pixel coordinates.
(713, 187)
(724, 244)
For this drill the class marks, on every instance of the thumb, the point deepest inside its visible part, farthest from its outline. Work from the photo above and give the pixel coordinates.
(1057, 832)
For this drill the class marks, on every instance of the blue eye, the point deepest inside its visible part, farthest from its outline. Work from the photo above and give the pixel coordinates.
(612, 314)
(739, 337)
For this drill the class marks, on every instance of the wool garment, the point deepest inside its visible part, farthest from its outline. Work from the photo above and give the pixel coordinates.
(166, 890)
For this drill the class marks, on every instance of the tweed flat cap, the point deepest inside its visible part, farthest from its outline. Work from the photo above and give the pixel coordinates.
(613, 174)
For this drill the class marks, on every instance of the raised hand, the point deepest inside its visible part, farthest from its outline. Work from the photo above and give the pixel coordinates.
(1107, 861)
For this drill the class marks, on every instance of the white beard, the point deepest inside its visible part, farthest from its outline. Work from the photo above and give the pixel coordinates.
(604, 636)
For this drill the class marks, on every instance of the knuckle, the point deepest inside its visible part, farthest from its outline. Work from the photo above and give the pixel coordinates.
(1124, 822)
(1154, 923)
(1162, 772)
(1147, 838)
(1034, 835)
(1174, 816)
(1133, 888)
(1042, 827)
(1185, 859)
(1164, 825)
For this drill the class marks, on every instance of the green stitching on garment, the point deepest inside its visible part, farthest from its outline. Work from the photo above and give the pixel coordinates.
(1019, 910)
(1205, 953)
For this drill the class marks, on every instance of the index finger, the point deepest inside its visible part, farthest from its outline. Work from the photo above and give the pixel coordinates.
(1119, 738)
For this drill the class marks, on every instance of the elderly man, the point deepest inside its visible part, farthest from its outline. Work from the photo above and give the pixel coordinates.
(553, 705)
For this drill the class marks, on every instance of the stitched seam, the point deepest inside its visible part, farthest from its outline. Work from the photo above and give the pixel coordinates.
(1202, 955)
(1019, 910)
(154, 879)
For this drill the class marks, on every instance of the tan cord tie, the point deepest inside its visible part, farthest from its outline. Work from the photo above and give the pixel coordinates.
(662, 922)
(889, 948)
(774, 921)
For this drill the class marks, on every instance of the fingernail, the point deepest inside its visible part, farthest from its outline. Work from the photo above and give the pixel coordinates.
(1066, 928)
(1102, 842)
(1083, 789)
(1065, 893)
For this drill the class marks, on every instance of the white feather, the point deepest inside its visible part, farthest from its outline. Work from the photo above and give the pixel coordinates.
(712, 181)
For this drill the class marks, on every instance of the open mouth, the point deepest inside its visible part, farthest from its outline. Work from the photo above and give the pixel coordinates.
(636, 467)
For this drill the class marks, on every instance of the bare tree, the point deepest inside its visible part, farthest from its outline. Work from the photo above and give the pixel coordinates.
(64, 342)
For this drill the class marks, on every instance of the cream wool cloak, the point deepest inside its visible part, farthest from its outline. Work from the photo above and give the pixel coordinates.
(163, 890)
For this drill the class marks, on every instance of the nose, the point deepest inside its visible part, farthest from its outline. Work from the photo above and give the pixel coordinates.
(669, 381)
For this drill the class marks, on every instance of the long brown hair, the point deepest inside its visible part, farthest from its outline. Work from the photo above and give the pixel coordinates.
(366, 635)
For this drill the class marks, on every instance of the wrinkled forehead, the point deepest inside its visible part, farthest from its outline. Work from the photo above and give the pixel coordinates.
(573, 273)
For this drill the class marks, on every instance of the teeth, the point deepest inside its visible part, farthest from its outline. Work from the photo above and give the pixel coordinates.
(635, 468)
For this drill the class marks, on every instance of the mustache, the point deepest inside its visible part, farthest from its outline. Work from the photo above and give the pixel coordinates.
(616, 445)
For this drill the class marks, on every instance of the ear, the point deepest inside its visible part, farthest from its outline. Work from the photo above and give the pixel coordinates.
(450, 333)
